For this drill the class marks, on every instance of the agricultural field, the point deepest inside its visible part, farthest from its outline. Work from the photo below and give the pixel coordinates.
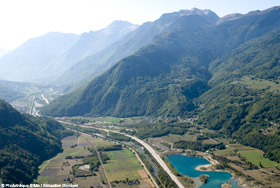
(250, 154)
(108, 120)
(100, 143)
(171, 138)
(59, 170)
(225, 152)
(191, 135)
(124, 166)
(256, 157)
(113, 119)
(209, 141)
(241, 154)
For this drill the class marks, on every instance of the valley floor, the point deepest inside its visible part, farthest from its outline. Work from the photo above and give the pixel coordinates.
(122, 169)
(246, 163)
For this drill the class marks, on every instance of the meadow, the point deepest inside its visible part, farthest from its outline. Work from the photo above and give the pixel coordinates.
(256, 157)
(258, 83)
(122, 164)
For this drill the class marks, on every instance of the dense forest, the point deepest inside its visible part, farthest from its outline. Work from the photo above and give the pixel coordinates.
(249, 115)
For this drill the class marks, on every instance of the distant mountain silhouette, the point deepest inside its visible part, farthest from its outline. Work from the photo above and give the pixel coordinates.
(43, 58)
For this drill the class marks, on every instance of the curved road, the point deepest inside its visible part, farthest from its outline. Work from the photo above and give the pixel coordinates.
(148, 147)
(151, 150)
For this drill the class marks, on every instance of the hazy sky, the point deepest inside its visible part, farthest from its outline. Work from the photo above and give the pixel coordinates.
(24, 19)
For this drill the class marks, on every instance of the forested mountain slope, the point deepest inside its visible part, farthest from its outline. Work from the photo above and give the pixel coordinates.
(244, 100)
(163, 77)
(258, 58)
(8, 92)
(26, 141)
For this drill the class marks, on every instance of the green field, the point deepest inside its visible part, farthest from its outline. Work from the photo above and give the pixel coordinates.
(100, 143)
(250, 154)
(113, 119)
(257, 158)
(122, 164)
(258, 83)
(171, 138)
(105, 120)
(226, 151)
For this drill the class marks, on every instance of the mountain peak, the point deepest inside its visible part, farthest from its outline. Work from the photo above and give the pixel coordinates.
(234, 16)
(120, 26)
(208, 15)
(205, 12)
(120, 22)
(201, 12)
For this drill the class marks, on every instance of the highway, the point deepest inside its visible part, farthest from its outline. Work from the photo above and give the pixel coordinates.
(45, 99)
(102, 166)
(148, 147)
(158, 159)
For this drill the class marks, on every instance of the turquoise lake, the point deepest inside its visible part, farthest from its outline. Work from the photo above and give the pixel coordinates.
(186, 165)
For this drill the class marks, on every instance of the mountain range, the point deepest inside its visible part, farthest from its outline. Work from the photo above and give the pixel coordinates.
(186, 63)
(163, 77)
(94, 65)
(44, 58)
(225, 70)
